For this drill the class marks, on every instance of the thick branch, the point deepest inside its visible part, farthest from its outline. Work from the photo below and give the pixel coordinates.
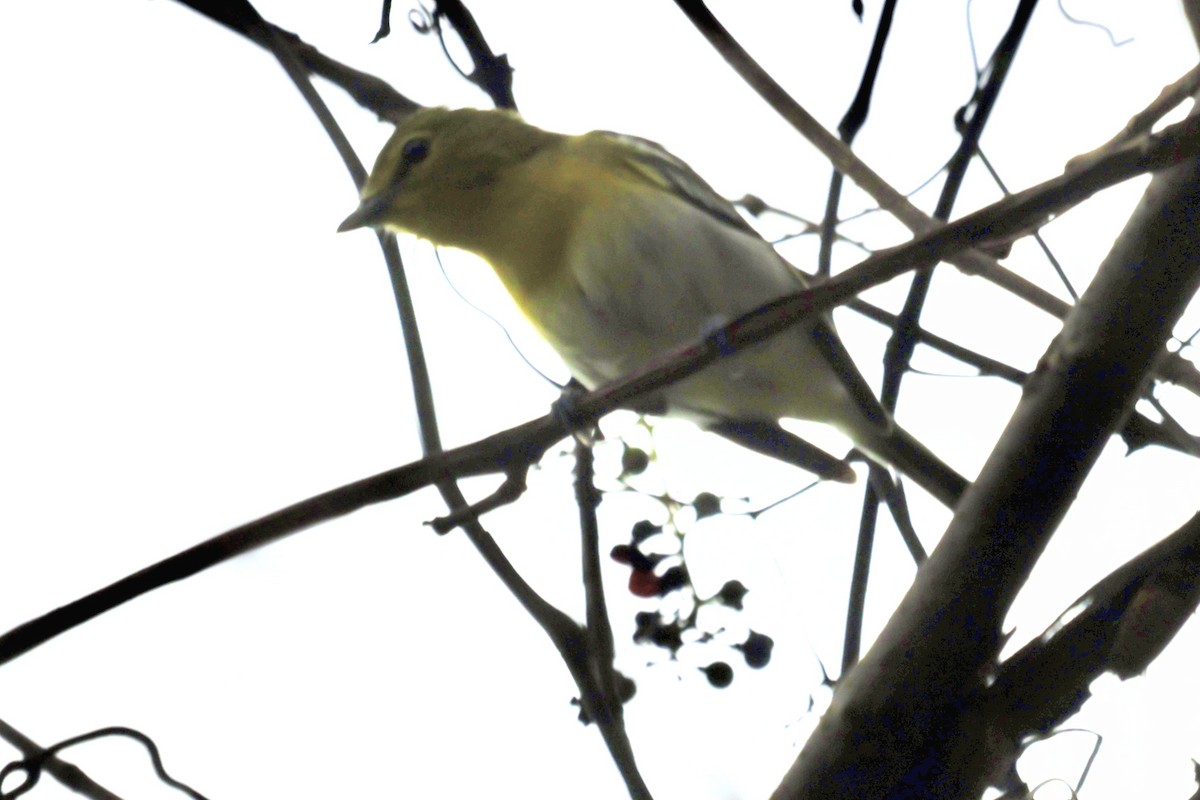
(1120, 625)
(907, 715)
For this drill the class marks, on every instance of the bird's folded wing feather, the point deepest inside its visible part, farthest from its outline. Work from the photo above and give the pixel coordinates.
(654, 166)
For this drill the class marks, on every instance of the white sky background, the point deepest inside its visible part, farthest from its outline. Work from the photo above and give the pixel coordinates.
(186, 345)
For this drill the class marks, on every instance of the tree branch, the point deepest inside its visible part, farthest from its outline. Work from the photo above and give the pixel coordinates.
(910, 713)
(1123, 623)
(970, 261)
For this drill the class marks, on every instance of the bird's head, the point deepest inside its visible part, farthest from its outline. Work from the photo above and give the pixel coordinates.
(439, 172)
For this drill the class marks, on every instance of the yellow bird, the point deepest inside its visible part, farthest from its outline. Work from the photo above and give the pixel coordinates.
(618, 252)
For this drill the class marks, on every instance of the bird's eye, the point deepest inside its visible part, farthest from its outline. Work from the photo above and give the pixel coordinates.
(415, 150)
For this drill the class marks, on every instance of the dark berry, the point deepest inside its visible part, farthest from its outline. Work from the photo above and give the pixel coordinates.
(653, 629)
(757, 649)
(706, 504)
(634, 461)
(644, 583)
(719, 674)
(674, 578)
(644, 530)
(623, 554)
(631, 556)
(668, 637)
(647, 622)
(731, 594)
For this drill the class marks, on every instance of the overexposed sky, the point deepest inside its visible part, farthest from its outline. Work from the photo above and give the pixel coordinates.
(187, 344)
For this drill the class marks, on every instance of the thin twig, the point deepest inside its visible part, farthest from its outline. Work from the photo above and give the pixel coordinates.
(846, 162)
(605, 706)
(970, 261)
(851, 123)
(848, 128)
(860, 573)
(1143, 122)
(64, 772)
(976, 114)
(492, 72)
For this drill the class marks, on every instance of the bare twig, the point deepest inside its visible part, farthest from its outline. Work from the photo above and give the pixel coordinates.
(846, 162)
(31, 766)
(606, 706)
(860, 573)
(970, 261)
(65, 773)
(848, 128)
(903, 341)
(975, 116)
(241, 17)
(509, 492)
(851, 122)
(1144, 121)
(492, 72)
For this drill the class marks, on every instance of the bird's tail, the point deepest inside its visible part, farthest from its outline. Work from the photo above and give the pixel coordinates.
(900, 449)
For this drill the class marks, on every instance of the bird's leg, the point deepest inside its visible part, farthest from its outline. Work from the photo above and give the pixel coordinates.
(565, 411)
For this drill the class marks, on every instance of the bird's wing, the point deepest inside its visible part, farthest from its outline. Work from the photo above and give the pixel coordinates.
(654, 164)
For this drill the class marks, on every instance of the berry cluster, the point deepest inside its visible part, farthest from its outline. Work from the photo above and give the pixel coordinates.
(648, 578)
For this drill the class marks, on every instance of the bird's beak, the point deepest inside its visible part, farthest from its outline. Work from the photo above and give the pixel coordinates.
(368, 214)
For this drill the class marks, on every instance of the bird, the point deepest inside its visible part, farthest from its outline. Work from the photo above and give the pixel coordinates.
(618, 253)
